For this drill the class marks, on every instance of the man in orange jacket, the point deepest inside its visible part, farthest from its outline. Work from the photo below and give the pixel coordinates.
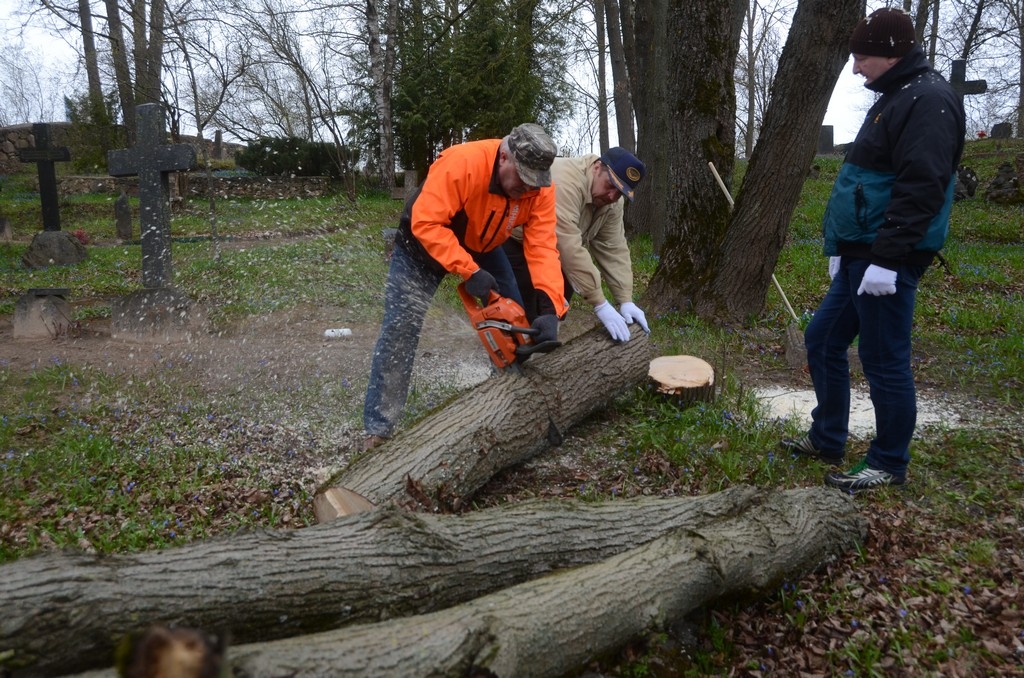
(474, 195)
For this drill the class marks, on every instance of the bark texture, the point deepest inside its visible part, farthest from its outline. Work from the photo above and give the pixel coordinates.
(443, 460)
(67, 612)
(702, 39)
(815, 53)
(551, 625)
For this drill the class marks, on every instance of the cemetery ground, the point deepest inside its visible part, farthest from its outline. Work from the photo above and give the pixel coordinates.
(117, 447)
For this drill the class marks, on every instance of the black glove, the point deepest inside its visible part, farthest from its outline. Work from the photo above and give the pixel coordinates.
(547, 328)
(480, 285)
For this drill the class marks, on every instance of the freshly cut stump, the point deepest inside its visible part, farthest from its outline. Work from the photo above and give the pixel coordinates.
(683, 378)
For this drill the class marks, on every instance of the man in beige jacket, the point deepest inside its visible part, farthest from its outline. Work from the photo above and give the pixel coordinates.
(591, 237)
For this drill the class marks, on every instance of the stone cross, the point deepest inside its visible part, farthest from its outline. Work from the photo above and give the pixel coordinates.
(44, 157)
(153, 161)
(961, 85)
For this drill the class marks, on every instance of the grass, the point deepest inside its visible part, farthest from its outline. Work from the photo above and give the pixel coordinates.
(117, 463)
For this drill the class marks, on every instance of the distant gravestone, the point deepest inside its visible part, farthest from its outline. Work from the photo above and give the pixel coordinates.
(1002, 130)
(44, 156)
(218, 145)
(1005, 186)
(826, 140)
(157, 313)
(42, 314)
(123, 217)
(53, 248)
(153, 161)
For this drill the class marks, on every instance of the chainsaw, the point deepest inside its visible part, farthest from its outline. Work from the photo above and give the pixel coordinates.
(503, 329)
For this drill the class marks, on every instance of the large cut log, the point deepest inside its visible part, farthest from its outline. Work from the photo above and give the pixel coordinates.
(66, 612)
(555, 624)
(509, 418)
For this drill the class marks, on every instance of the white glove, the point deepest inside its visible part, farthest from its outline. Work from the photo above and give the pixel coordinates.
(833, 267)
(878, 281)
(613, 322)
(632, 313)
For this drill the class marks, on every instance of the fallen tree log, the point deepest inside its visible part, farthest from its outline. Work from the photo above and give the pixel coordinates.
(555, 624)
(67, 612)
(445, 458)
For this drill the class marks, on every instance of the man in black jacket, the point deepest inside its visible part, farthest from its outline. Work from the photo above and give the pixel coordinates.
(887, 218)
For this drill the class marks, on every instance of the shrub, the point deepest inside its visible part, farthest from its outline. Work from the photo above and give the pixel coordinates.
(272, 156)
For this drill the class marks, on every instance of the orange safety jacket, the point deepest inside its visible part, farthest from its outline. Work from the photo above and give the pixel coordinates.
(462, 209)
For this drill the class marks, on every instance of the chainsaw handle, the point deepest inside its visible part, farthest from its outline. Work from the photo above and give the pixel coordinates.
(527, 350)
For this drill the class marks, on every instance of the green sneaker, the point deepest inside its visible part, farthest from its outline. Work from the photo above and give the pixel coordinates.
(862, 477)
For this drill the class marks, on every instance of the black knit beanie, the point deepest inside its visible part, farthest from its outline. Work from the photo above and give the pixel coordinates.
(886, 32)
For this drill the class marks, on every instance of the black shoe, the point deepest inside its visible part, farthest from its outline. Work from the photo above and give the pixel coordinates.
(862, 477)
(803, 447)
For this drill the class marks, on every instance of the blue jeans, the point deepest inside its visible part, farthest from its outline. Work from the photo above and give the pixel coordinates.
(409, 290)
(884, 325)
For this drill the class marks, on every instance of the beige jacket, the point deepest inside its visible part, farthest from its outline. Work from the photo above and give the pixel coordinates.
(591, 242)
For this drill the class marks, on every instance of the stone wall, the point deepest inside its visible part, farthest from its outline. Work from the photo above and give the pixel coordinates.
(15, 138)
(197, 183)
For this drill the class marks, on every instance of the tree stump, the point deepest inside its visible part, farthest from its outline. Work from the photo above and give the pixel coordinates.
(683, 378)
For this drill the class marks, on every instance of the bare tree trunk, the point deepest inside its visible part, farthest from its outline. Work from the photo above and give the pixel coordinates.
(619, 566)
(647, 214)
(724, 273)
(92, 67)
(122, 73)
(935, 32)
(702, 106)
(971, 40)
(620, 78)
(509, 418)
(382, 63)
(603, 134)
(814, 55)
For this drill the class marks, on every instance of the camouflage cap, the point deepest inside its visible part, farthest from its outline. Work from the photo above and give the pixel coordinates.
(533, 151)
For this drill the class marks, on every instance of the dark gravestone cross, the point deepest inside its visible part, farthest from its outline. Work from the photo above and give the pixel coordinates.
(44, 157)
(826, 140)
(123, 217)
(961, 85)
(153, 161)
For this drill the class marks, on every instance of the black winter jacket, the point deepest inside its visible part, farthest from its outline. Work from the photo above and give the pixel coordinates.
(892, 198)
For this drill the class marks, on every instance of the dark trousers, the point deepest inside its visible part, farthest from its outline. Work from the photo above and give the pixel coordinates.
(531, 297)
(883, 325)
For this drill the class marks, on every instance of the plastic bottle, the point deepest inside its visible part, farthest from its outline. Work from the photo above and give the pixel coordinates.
(339, 332)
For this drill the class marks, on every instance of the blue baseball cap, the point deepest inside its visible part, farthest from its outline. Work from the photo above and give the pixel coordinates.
(625, 169)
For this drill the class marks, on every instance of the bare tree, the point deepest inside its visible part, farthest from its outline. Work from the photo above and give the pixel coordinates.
(621, 90)
(92, 66)
(23, 88)
(382, 75)
(720, 267)
(602, 75)
(205, 59)
(649, 211)
(755, 65)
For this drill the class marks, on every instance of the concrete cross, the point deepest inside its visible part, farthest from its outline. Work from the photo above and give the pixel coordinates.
(961, 85)
(153, 161)
(44, 157)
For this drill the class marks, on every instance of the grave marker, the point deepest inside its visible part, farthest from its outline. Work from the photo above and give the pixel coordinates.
(826, 140)
(44, 156)
(961, 85)
(153, 161)
(123, 217)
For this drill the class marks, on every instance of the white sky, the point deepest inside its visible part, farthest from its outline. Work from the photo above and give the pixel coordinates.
(849, 103)
(846, 109)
